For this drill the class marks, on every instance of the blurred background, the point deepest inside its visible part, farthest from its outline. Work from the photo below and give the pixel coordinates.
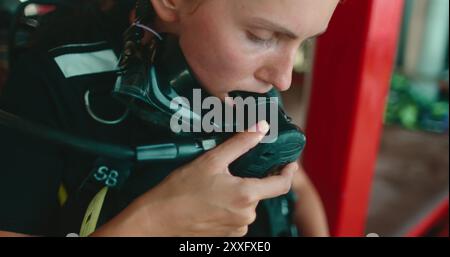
(409, 182)
(372, 95)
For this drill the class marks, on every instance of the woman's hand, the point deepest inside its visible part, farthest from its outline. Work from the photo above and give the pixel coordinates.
(310, 214)
(203, 198)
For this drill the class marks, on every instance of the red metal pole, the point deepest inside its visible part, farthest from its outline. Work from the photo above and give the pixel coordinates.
(44, 9)
(352, 72)
(436, 216)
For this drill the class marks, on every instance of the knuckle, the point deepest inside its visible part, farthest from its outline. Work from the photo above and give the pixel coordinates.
(244, 197)
(250, 218)
(287, 186)
(238, 232)
(242, 231)
(284, 190)
(244, 200)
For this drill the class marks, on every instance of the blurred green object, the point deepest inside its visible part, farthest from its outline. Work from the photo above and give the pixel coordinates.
(408, 116)
(409, 109)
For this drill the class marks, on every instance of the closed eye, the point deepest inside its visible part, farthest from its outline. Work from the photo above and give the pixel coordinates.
(266, 41)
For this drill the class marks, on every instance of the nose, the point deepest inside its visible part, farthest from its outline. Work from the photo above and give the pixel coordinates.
(277, 70)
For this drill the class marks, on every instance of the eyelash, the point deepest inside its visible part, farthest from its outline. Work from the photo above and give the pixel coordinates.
(260, 41)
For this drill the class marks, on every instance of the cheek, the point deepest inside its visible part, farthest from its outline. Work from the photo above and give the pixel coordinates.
(217, 57)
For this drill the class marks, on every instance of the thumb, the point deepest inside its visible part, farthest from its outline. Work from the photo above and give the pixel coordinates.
(241, 143)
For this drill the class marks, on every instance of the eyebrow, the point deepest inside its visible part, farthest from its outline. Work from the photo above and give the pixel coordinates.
(280, 29)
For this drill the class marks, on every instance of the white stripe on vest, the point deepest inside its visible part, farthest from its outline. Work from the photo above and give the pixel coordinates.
(77, 64)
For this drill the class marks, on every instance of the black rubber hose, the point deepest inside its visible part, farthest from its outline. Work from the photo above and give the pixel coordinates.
(65, 139)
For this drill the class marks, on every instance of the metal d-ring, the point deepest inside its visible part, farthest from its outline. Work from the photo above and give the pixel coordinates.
(98, 119)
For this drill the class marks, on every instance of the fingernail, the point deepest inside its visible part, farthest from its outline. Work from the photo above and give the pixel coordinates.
(262, 127)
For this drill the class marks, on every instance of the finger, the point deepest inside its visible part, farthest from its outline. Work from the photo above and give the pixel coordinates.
(241, 143)
(272, 186)
(227, 99)
(239, 232)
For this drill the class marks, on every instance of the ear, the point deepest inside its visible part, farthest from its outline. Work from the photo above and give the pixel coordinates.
(167, 10)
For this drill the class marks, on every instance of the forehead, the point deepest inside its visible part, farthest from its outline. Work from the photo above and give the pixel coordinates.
(304, 17)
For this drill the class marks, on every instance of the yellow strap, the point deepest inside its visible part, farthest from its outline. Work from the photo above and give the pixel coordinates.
(92, 213)
(62, 195)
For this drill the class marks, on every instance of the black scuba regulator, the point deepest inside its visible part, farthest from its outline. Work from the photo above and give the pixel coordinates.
(156, 72)
(151, 75)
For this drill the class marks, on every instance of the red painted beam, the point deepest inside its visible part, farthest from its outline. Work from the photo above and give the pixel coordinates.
(44, 9)
(434, 218)
(351, 78)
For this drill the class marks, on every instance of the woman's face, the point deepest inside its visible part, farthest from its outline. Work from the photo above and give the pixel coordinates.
(249, 45)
